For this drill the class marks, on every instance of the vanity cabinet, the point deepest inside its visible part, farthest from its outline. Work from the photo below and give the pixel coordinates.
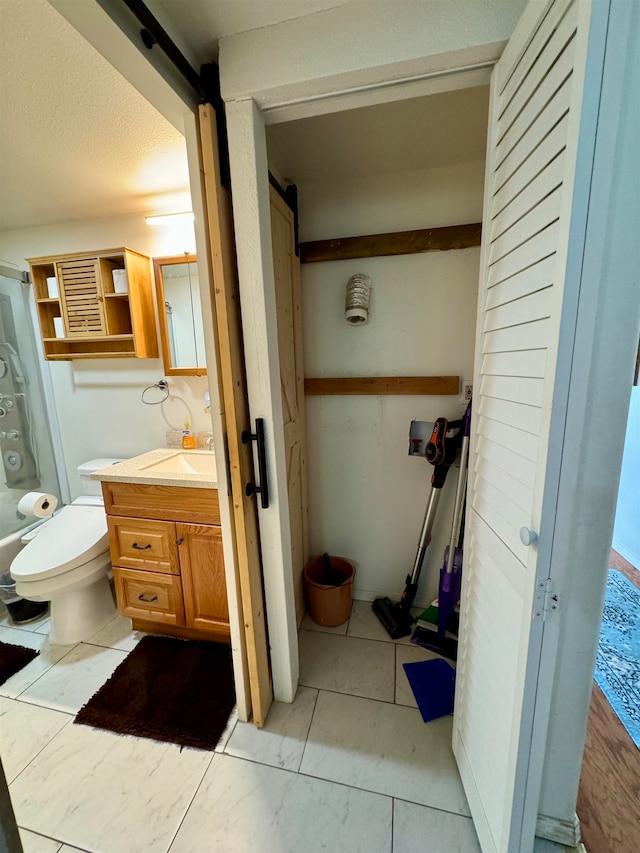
(168, 562)
(95, 305)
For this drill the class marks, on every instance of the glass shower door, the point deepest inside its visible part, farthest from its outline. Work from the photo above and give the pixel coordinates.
(26, 451)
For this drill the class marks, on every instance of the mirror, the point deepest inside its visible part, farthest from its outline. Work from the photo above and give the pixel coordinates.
(180, 315)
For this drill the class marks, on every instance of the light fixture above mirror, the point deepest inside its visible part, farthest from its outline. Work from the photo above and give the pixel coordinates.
(180, 315)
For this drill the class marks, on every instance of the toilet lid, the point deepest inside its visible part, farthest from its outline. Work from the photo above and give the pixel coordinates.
(71, 538)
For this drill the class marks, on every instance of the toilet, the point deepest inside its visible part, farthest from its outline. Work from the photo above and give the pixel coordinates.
(68, 564)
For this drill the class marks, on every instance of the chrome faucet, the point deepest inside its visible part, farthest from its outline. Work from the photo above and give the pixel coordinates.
(208, 442)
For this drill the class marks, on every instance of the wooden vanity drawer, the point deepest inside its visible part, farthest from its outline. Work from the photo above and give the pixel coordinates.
(151, 596)
(173, 503)
(138, 543)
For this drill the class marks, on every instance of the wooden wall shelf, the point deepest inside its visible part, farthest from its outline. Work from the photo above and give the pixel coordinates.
(377, 385)
(98, 322)
(395, 243)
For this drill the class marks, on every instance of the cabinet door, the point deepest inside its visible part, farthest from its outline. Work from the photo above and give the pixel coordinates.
(203, 579)
(81, 297)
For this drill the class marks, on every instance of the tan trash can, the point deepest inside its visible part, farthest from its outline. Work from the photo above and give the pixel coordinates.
(329, 605)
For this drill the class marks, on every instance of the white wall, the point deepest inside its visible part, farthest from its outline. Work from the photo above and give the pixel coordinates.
(98, 400)
(626, 533)
(362, 44)
(367, 497)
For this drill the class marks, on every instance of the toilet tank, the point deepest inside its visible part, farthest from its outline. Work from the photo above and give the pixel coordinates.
(89, 486)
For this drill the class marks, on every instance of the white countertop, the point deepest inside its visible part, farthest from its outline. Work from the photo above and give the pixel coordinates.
(137, 470)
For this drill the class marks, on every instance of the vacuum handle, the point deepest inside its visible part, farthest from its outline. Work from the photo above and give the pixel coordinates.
(457, 505)
(425, 536)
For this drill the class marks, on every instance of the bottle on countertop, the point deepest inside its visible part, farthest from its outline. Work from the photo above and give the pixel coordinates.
(188, 438)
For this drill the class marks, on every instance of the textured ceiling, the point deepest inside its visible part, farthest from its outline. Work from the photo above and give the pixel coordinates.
(76, 140)
(421, 133)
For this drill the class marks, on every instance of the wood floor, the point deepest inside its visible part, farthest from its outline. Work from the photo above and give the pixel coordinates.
(609, 794)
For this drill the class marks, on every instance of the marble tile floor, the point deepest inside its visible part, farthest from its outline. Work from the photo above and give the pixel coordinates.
(348, 767)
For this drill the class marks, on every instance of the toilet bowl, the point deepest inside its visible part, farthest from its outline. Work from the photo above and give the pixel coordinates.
(68, 564)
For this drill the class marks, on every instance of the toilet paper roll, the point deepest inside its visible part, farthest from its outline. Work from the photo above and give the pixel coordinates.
(52, 287)
(38, 504)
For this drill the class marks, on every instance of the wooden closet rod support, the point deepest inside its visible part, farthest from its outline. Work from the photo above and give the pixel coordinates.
(397, 243)
(359, 385)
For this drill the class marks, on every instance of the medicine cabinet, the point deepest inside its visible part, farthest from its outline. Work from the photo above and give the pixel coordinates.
(180, 315)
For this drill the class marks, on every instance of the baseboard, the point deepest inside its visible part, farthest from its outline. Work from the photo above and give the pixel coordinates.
(371, 594)
(629, 556)
(565, 832)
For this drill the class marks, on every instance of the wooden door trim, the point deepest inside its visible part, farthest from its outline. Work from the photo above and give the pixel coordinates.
(231, 364)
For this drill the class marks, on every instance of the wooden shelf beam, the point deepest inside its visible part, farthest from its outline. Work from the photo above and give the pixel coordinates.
(375, 385)
(395, 243)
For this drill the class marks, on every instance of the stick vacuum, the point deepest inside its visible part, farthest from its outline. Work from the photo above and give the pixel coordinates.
(451, 571)
(441, 453)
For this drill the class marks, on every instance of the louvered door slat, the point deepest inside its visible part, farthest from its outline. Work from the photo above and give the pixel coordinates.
(528, 197)
(525, 363)
(552, 115)
(543, 213)
(536, 277)
(528, 169)
(533, 306)
(508, 85)
(536, 100)
(81, 298)
(534, 74)
(516, 440)
(517, 338)
(538, 247)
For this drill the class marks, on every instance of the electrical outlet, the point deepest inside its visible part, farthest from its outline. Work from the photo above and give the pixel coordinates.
(467, 390)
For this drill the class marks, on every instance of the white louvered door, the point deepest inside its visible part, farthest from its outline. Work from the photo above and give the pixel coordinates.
(530, 190)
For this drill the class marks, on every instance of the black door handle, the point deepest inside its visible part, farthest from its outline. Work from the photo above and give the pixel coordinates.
(143, 597)
(263, 488)
(140, 547)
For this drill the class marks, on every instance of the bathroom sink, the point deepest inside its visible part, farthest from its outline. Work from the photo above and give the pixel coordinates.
(186, 462)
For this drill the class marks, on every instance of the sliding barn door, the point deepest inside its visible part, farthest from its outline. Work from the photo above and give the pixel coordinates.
(236, 415)
(286, 269)
(534, 197)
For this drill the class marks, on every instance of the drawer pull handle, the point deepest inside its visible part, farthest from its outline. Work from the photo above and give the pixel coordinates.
(146, 598)
(141, 547)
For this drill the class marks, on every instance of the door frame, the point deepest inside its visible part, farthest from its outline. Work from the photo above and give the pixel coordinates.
(247, 137)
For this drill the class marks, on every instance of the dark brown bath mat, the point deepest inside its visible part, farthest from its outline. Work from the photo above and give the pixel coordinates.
(13, 658)
(178, 691)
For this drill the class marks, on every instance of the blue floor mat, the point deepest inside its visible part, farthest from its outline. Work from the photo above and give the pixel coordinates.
(433, 683)
(618, 662)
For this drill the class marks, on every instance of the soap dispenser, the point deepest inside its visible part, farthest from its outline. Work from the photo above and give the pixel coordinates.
(188, 438)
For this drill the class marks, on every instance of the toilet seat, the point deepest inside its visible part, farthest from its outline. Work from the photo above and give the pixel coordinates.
(75, 536)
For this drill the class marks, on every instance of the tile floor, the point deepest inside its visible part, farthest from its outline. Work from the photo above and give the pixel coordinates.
(348, 767)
